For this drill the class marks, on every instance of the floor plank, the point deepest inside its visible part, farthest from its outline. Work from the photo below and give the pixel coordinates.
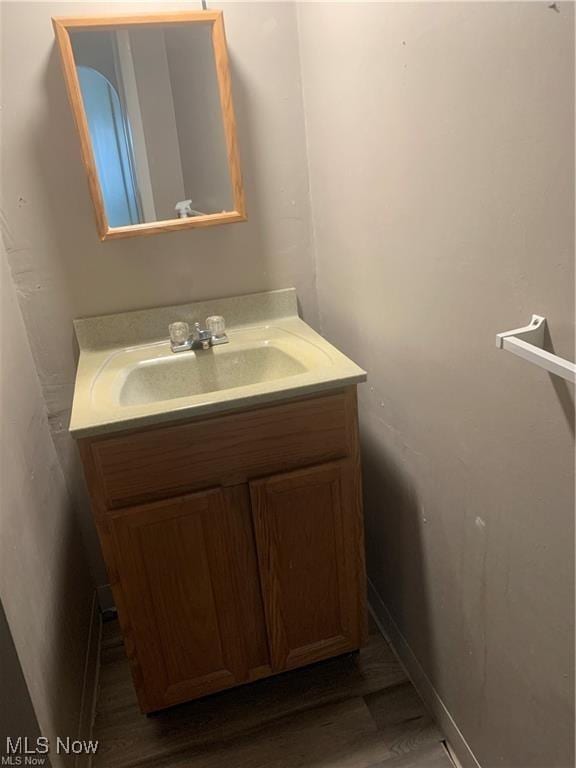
(340, 735)
(432, 756)
(354, 712)
(401, 716)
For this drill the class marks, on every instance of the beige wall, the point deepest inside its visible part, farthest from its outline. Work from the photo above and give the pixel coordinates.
(17, 717)
(63, 271)
(45, 588)
(441, 147)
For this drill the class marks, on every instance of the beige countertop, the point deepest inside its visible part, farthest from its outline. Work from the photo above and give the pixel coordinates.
(128, 377)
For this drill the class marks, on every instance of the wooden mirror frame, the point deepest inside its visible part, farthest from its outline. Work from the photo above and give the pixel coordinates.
(62, 28)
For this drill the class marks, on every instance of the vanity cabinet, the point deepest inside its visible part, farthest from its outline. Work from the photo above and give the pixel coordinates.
(234, 543)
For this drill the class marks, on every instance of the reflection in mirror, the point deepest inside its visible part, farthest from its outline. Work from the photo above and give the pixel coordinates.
(151, 99)
(111, 141)
(158, 112)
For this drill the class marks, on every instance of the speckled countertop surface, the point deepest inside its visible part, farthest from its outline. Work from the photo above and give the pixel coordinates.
(272, 355)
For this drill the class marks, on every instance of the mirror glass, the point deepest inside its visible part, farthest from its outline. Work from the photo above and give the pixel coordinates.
(152, 103)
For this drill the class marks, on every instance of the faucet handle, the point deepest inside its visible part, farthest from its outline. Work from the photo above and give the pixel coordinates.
(216, 325)
(179, 332)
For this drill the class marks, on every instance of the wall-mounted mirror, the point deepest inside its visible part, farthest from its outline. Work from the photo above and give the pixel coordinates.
(152, 101)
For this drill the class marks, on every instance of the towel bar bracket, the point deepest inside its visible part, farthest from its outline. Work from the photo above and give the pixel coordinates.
(528, 342)
(533, 333)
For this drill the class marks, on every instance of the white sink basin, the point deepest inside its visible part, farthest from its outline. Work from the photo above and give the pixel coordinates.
(188, 373)
(152, 373)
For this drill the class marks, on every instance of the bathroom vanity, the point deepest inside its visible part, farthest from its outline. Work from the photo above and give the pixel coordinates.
(231, 519)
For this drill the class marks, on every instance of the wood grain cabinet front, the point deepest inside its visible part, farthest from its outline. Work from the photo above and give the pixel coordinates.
(308, 535)
(238, 581)
(192, 609)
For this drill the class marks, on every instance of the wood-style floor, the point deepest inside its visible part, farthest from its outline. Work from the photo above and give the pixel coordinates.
(357, 711)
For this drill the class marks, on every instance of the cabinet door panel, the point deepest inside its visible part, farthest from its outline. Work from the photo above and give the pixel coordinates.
(308, 533)
(181, 565)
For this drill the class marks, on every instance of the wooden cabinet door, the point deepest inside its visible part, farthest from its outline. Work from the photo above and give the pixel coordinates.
(188, 595)
(308, 528)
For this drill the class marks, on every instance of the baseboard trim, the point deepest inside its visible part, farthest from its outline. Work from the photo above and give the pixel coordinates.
(90, 683)
(386, 624)
(105, 598)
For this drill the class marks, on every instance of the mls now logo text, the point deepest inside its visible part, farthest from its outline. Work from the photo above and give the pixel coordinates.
(20, 750)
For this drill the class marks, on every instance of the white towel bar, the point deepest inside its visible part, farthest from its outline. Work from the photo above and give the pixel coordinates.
(527, 342)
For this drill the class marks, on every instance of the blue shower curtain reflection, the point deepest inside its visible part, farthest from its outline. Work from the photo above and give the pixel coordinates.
(110, 134)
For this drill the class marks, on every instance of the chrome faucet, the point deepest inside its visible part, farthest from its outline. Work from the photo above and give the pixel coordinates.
(201, 338)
